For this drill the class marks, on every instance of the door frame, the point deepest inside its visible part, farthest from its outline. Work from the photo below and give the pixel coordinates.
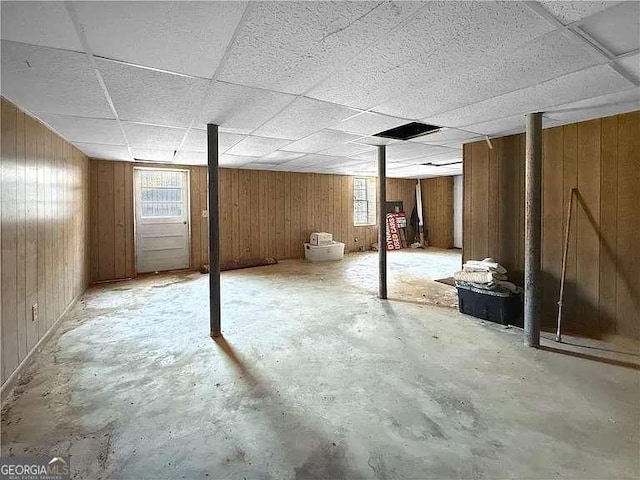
(135, 209)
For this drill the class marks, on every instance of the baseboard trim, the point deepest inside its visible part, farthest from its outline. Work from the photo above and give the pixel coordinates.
(7, 386)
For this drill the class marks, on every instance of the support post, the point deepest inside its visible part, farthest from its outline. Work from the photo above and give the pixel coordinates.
(382, 221)
(214, 231)
(532, 229)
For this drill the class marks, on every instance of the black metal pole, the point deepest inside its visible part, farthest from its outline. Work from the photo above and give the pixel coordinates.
(214, 231)
(382, 221)
(532, 229)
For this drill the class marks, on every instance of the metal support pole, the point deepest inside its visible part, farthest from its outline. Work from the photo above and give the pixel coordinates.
(532, 229)
(382, 221)
(214, 231)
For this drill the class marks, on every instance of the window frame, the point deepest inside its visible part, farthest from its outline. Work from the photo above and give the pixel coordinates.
(370, 200)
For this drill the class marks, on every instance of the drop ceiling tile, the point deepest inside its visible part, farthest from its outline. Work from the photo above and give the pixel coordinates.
(153, 154)
(368, 155)
(47, 80)
(85, 130)
(434, 47)
(227, 160)
(104, 152)
(375, 141)
(542, 59)
(290, 46)
(313, 160)
(197, 140)
(281, 156)
(406, 151)
(182, 37)
(631, 64)
(152, 136)
(569, 12)
(500, 126)
(348, 149)
(369, 123)
(319, 141)
(39, 23)
(597, 107)
(186, 157)
(257, 146)
(303, 117)
(259, 166)
(148, 96)
(439, 158)
(445, 136)
(241, 109)
(617, 28)
(573, 87)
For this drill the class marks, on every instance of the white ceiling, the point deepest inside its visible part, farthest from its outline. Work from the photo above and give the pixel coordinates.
(302, 86)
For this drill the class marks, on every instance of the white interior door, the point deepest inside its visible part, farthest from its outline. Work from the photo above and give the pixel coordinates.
(162, 219)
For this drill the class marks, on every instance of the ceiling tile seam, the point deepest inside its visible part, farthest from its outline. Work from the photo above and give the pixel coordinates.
(443, 112)
(542, 12)
(410, 18)
(153, 69)
(551, 107)
(594, 44)
(583, 20)
(212, 80)
(66, 50)
(568, 110)
(73, 15)
(583, 36)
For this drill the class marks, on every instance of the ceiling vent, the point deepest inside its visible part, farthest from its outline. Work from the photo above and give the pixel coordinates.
(408, 131)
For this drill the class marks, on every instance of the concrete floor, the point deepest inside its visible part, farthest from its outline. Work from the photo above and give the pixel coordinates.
(316, 378)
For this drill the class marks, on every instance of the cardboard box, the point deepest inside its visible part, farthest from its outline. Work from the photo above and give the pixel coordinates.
(321, 238)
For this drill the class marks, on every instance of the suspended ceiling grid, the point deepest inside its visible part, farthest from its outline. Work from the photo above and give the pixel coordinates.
(302, 86)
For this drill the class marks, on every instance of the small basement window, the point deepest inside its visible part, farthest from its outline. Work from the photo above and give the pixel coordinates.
(364, 201)
(161, 193)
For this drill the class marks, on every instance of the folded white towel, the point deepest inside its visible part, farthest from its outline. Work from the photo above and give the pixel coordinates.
(486, 265)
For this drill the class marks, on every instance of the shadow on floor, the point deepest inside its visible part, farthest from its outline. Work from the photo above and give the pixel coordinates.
(594, 358)
(298, 435)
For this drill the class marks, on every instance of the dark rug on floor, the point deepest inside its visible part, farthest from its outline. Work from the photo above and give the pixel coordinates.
(447, 281)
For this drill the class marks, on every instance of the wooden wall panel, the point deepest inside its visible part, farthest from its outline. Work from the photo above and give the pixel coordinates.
(44, 232)
(628, 223)
(437, 208)
(262, 214)
(601, 158)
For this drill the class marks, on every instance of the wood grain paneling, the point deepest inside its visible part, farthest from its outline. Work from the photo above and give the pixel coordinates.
(437, 208)
(44, 232)
(262, 214)
(601, 158)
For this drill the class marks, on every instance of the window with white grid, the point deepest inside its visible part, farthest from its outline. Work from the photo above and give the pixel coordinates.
(364, 201)
(161, 193)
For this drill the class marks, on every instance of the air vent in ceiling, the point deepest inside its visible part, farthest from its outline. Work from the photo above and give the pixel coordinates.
(408, 131)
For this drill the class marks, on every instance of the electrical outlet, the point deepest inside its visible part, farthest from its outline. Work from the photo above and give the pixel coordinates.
(34, 312)
(205, 213)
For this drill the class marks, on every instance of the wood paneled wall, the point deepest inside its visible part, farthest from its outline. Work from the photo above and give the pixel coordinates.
(262, 214)
(112, 218)
(601, 158)
(437, 207)
(44, 231)
(271, 214)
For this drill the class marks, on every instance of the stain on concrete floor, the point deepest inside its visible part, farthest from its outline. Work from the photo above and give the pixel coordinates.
(315, 378)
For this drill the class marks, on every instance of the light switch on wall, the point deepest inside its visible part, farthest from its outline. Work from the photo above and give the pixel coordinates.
(205, 213)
